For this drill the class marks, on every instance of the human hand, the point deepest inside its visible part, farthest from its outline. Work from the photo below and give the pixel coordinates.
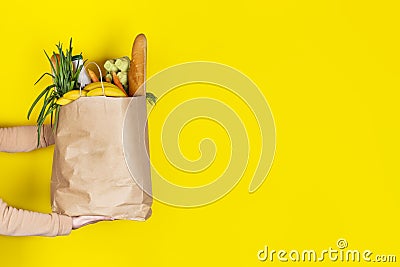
(80, 221)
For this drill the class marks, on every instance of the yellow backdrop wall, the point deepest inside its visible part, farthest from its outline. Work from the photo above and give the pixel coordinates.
(331, 74)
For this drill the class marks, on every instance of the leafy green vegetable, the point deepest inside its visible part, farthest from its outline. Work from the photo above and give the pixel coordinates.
(151, 98)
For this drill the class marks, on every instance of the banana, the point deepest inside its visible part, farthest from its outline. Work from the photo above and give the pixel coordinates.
(95, 85)
(63, 101)
(108, 91)
(95, 89)
(74, 94)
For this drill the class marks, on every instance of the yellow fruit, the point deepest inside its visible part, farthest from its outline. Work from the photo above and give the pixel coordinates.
(63, 101)
(95, 85)
(74, 94)
(108, 91)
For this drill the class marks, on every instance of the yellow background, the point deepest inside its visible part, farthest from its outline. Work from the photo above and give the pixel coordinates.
(330, 71)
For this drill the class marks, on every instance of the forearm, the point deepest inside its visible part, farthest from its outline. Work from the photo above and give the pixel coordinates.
(24, 138)
(16, 222)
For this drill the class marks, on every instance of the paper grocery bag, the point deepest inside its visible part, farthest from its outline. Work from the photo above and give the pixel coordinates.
(90, 173)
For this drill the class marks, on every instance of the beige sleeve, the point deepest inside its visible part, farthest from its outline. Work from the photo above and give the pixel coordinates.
(17, 222)
(24, 138)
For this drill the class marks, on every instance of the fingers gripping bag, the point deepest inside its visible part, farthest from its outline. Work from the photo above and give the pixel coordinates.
(101, 164)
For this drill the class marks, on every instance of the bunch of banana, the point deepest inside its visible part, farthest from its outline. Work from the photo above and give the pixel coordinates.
(92, 89)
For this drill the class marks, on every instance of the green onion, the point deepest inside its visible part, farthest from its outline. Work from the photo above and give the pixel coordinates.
(64, 79)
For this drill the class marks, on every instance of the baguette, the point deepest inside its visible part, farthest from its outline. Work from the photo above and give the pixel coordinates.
(137, 70)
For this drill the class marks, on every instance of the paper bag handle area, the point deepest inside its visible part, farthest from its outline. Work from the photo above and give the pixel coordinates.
(100, 74)
(141, 91)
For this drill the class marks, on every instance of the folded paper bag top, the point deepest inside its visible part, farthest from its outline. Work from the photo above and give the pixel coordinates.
(101, 164)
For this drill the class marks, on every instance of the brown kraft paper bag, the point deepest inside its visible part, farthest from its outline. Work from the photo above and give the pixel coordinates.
(90, 172)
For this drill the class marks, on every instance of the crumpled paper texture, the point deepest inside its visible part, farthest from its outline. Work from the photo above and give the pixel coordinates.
(90, 174)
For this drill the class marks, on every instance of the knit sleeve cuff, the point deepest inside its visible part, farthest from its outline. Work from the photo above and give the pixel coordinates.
(65, 225)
